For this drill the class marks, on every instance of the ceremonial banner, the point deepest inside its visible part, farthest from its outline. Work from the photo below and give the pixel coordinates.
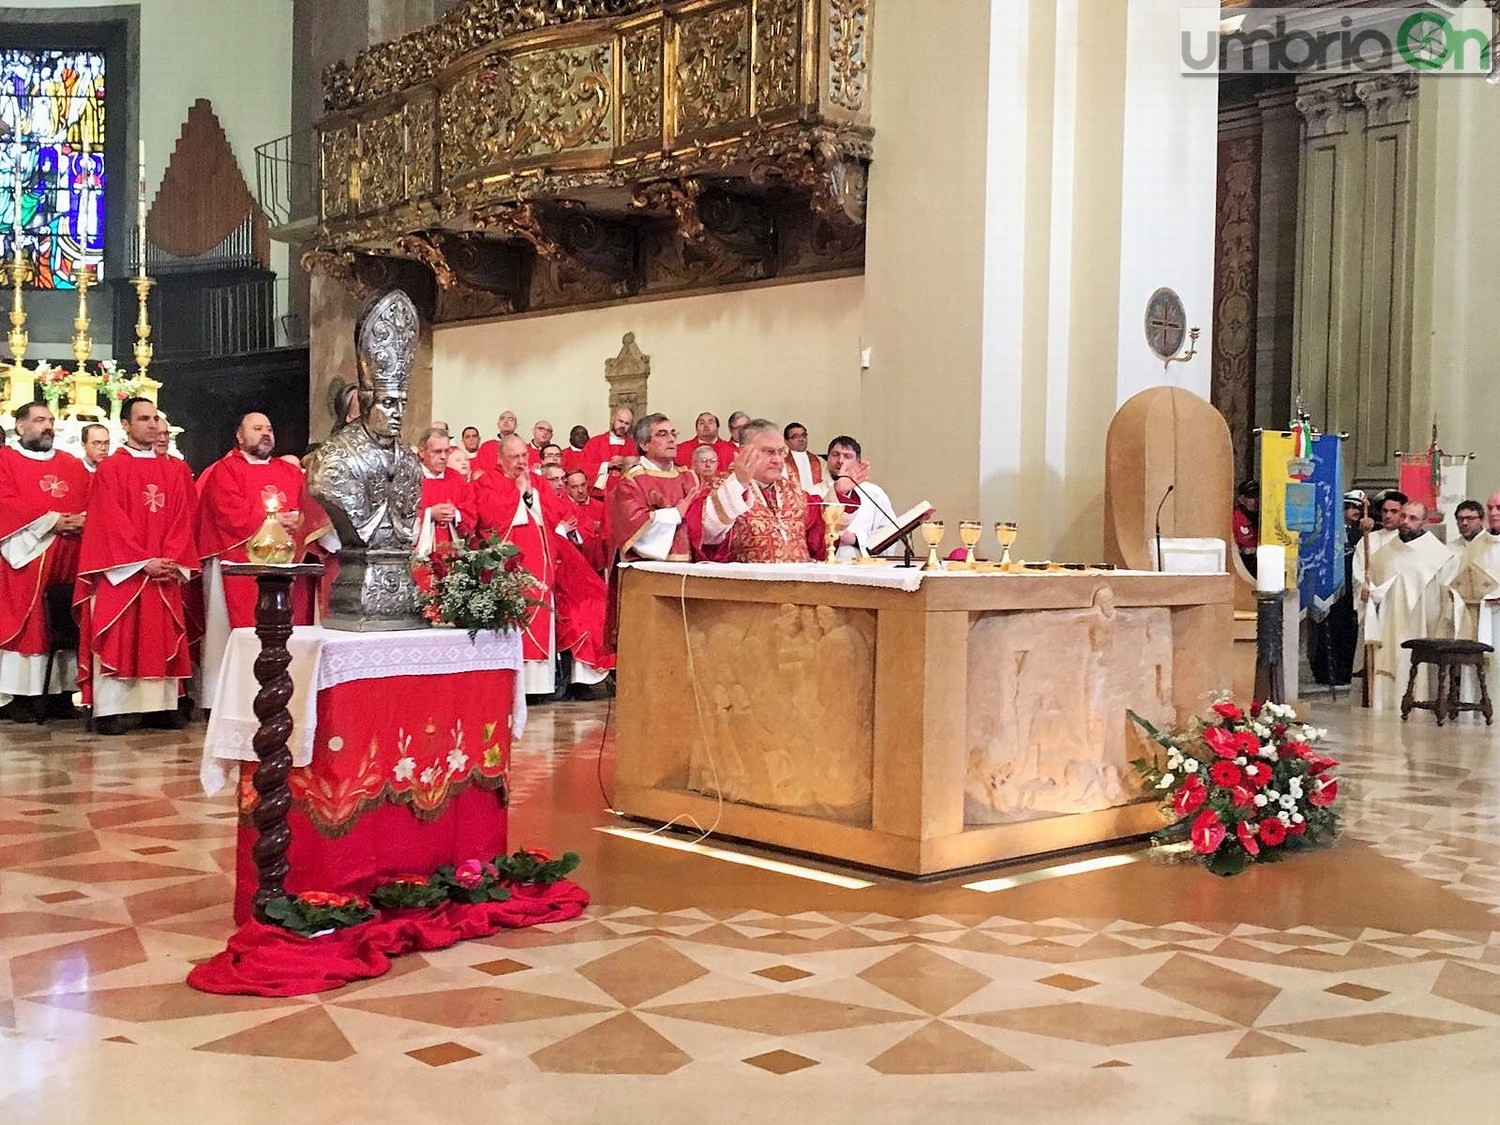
(1277, 452)
(1320, 547)
(1301, 483)
(1454, 490)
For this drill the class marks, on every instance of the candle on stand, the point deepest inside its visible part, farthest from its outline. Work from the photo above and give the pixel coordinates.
(1270, 570)
(20, 191)
(140, 200)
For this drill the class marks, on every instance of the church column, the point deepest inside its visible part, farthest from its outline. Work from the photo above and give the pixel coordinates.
(1040, 168)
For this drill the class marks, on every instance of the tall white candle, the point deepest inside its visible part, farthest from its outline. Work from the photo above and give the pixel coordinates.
(1270, 569)
(20, 189)
(140, 198)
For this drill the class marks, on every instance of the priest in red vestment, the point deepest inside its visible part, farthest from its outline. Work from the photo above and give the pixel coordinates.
(448, 514)
(707, 434)
(514, 506)
(43, 496)
(488, 456)
(136, 553)
(235, 494)
(572, 455)
(590, 514)
(806, 466)
(95, 440)
(604, 455)
(541, 438)
(756, 512)
(647, 510)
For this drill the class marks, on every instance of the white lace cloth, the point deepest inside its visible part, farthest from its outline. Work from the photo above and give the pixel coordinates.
(324, 658)
(886, 576)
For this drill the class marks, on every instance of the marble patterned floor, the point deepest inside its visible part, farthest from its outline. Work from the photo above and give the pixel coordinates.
(1358, 984)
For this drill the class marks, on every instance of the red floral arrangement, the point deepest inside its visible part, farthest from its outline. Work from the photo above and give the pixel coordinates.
(478, 587)
(1243, 788)
(314, 913)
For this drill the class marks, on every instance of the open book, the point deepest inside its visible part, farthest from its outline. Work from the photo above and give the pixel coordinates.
(886, 533)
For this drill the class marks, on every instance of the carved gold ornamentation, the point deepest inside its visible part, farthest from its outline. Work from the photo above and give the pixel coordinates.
(416, 58)
(382, 144)
(713, 52)
(421, 248)
(847, 63)
(533, 104)
(681, 198)
(421, 141)
(640, 86)
(778, 41)
(522, 222)
(337, 152)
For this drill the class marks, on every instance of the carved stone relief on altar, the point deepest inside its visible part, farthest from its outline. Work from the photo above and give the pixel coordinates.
(640, 86)
(778, 42)
(1047, 729)
(713, 68)
(787, 701)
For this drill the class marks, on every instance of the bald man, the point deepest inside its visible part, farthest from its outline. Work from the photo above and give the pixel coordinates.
(603, 456)
(569, 614)
(541, 438)
(488, 455)
(1405, 598)
(235, 494)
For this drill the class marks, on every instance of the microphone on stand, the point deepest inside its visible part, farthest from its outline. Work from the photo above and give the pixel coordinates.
(1160, 561)
(906, 563)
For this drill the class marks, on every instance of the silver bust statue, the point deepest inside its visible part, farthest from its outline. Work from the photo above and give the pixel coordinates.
(370, 483)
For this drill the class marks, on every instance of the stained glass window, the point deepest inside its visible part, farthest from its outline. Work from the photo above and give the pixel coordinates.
(52, 156)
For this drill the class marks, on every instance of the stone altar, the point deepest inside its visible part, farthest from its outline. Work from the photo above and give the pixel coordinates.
(974, 719)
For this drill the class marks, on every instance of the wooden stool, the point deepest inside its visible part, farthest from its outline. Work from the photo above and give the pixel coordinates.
(1450, 658)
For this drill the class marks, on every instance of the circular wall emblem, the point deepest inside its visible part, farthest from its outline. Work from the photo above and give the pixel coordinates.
(1166, 323)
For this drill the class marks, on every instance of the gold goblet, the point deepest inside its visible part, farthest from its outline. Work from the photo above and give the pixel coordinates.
(1005, 532)
(833, 515)
(932, 532)
(970, 531)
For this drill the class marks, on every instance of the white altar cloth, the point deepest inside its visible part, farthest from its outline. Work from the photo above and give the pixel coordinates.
(324, 658)
(885, 575)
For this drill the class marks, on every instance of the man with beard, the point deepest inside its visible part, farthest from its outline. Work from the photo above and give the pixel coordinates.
(136, 554)
(604, 456)
(95, 440)
(569, 616)
(1475, 585)
(43, 496)
(1405, 598)
(235, 495)
(1468, 518)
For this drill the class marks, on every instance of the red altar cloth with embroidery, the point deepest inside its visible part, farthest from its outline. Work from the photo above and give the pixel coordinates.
(407, 773)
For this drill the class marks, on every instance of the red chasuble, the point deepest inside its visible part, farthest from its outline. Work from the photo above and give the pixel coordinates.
(29, 489)
(784, 524)
(232, 497)
(572, 459)
(597, 452)
(486, 458)
(450, 488)
(570, 588)
(140, 508)
(632, 501)
(594, 546)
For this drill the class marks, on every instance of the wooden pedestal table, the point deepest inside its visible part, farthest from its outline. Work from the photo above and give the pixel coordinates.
(909, 722)
(273, 628)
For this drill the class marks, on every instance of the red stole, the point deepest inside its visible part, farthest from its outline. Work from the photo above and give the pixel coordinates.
(29, 489)
(599, 450)
(140, 508)
(632, 501)
(232, 497)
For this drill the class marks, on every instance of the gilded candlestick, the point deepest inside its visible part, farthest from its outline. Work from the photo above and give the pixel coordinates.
(143, 349)
(83, 392)
(20, 385)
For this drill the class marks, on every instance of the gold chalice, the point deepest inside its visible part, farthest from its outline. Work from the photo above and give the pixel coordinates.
(932, 532)
(1005, 532)
(833, 515)
(970, 531)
